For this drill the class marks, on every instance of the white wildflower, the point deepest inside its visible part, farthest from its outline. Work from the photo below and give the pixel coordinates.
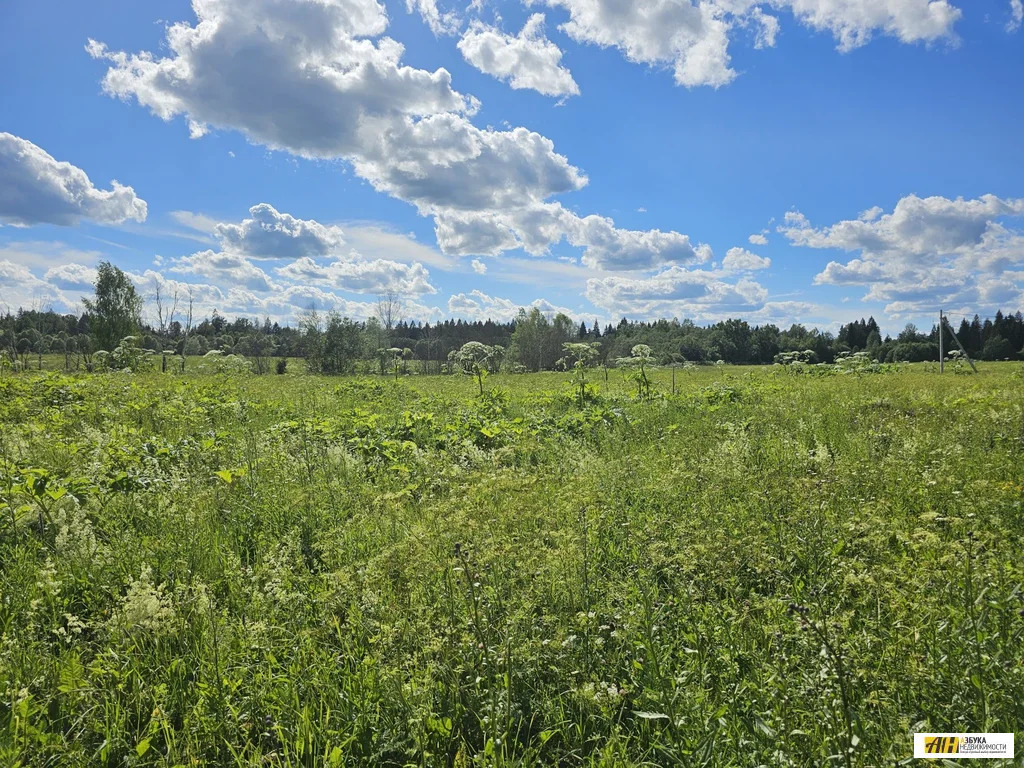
(146, 607)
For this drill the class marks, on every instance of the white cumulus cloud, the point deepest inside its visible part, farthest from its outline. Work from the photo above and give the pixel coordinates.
(37, 189)
(74, 277)
(225, 268)
(916, 228)
(927, 252)
(317, 78)
(306, 77)
(312, 252)
(853, 22)
(268, 234)
(527, 60)
(377, 276)
(693, 37)
(742, 260)
(536, 228)
(677, 292)
(21, 289)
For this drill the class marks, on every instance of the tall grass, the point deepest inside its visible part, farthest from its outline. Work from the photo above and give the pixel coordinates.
(763, 569)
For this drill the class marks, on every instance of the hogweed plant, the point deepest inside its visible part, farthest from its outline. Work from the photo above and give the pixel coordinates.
(473, 359)
(395, 360)
(579, 356)
(639, 360)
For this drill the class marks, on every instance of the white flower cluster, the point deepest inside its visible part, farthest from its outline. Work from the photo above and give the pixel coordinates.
(146, 607)
(76, 540)
(601, 693)
(48, 584)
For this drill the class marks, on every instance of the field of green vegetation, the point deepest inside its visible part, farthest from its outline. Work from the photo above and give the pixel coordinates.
(764, 568)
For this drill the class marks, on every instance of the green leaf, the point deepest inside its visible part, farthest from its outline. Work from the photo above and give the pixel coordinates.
(142, 747)
(440, 726)
(56, 493)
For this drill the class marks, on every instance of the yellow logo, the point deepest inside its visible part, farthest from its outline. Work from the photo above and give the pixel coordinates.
(944, 745)
(960, 745)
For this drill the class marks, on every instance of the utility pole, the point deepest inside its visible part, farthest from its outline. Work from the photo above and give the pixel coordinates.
(973, 366)
(942, 350)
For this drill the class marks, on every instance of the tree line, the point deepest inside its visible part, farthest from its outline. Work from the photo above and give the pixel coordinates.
(388, 342)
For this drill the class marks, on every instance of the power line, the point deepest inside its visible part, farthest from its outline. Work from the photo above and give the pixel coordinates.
(970, 318)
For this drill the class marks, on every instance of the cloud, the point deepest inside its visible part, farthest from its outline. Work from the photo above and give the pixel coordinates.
(325, 90)
(537, 228)
(378, 276)
(607, 247)
(676, 292)
(474, 234)
(228, 268)
(479, 267)
(230, 285)
(20, 289)
(568, 274)
(303, 245)
(917, 227)
(318, 80)
(854, 22)
(74, 277)
(37, 189)
(446, 23)
(313, 74)
(742, 260)
(361, 239)
(477, 305)
(854, 272)
(693, 37)
(767, 28)
(373, 240)
(758, 239)
(443, 162)
(1016, 16)
(528, 60)
(927, 252)
(269, 234)
(197, 221)
(45, 253)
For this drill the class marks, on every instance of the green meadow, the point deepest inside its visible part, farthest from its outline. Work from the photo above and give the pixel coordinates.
(763, 567)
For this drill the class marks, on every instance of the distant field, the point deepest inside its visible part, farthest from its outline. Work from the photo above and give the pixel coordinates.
(765, 568)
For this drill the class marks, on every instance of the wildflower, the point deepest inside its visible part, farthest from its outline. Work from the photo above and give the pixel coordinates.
(146, 607)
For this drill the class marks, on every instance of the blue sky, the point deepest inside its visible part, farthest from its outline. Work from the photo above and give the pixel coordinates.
(791, 161)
